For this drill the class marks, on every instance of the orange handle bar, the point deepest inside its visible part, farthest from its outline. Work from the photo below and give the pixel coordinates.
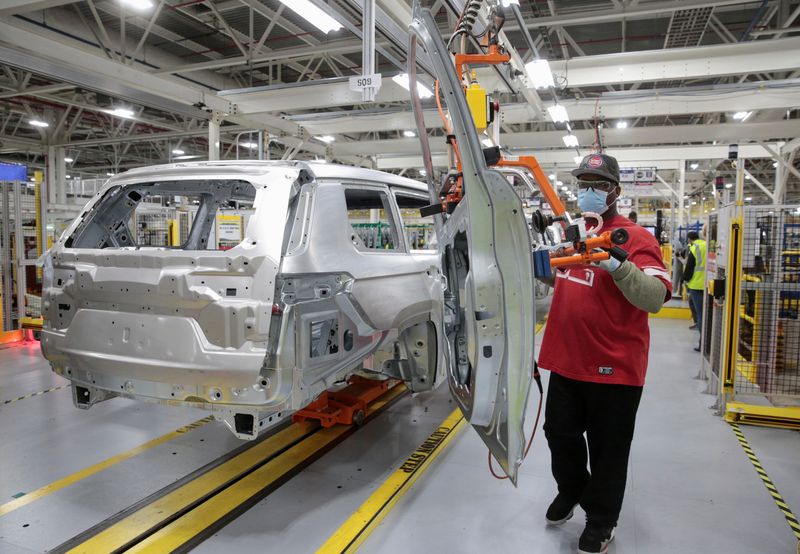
(600, 241)
(605, 241)
(579, 259)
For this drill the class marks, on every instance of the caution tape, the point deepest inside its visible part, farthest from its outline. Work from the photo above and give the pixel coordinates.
(366, 518)
(31, 395)
(791, 519)
(195, 425)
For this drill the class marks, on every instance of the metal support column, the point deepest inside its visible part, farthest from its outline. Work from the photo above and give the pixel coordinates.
(780, 183)
(50, 174)
(61, 175)
(213, 136)
(368, 50)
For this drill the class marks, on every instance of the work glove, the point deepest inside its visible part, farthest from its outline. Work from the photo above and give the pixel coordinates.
(610, 265)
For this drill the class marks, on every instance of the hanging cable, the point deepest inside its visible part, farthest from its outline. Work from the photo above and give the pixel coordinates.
(466, 21)
(538, 378)
(444, 121)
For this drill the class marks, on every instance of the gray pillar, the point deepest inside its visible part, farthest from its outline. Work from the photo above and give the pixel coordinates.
(368, 49)
(780, 182)
(213, 137)
(61, 173)
(50, 174)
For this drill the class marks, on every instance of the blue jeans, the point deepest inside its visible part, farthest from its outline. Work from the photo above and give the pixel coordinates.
(696, 300)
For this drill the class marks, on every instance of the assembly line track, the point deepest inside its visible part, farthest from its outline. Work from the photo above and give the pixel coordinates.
(183, 514)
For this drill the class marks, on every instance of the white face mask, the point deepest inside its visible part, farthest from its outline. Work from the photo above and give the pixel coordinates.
(591, 200)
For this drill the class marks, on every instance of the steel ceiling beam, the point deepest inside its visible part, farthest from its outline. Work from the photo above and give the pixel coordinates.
(80, 66)
(13, 7)
(643, 11)
(681, 63)
(674, 134)
(690, 100)
(33, 91)
(307, 95)
(665, 157)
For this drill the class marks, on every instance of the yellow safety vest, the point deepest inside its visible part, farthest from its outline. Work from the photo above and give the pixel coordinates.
(697, 282)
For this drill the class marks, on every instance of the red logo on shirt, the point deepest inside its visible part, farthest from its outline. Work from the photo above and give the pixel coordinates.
(595, 162)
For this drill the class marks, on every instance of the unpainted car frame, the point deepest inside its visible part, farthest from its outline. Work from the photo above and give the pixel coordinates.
(258, 331)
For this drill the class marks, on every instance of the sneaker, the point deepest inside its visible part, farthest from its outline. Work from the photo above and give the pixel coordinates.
(693, 327)
(595, 539)
(560, 510)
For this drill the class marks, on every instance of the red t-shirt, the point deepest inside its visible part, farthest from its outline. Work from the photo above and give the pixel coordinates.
(593, 333)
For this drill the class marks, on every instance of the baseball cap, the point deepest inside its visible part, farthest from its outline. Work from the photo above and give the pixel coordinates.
(598, 164)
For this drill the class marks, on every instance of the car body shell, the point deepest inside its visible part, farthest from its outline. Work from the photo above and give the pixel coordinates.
(232, 330)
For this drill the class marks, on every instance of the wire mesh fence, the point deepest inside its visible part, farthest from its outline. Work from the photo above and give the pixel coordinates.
(20, 283)
(768, 341)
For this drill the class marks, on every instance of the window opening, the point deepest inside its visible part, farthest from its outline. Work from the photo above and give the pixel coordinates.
(370, 215)
(187, 215)
(419, 232)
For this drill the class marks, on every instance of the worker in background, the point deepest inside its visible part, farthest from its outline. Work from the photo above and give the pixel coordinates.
(596, 347)
(694, 275)
(633, 216)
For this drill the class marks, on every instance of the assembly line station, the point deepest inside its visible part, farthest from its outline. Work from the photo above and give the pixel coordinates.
(122, 121)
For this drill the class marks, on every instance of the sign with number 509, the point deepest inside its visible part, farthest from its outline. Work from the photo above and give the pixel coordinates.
(361, 82)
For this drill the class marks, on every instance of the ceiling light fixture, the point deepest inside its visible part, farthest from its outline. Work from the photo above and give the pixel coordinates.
(622, 124)
(108, 173)
(409, 134)
(774, 164)
(558, 114)
(126, 113)
(187, 157)
(552, 176)
(326, 138)
(748, 199)
(694, 166)
(138, 4)
(178, 152)
(539, 74)
(69, 160)
(39, 123)
(570, 140)
(422, 90)
(742, 116)
(313, 15)
(728, 185)
(250, 145)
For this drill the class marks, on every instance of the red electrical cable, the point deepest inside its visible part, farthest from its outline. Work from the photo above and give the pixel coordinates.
(530, 441)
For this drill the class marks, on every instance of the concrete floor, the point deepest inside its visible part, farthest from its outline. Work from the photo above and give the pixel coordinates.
(691, 488)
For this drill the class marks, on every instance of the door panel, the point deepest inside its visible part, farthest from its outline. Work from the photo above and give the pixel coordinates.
(489, 306)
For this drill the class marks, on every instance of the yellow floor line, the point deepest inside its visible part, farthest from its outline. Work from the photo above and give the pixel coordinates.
(187, 528)
(41, 492)
(359, 526)
(673, 313)
(128, 529)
